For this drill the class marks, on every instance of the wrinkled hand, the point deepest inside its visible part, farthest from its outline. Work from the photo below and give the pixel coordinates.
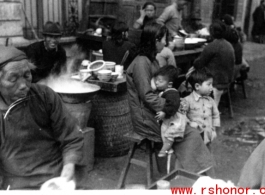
(68, 171)
(160, 115)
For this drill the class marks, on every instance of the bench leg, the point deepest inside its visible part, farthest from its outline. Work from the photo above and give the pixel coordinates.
(149, 162)
(127, 166)
(244, 89)
(230, 103)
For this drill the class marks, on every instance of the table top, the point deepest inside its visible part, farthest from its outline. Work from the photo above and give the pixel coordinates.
(117, 86)
(188, 52)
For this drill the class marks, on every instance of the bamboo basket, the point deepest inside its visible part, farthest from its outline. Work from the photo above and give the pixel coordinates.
(112, 120)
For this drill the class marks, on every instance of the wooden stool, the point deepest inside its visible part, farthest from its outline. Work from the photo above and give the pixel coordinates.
(227, 90)
(147, 164)
(241, 82)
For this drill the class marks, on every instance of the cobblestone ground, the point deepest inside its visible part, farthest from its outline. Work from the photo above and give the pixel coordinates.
(237, 137)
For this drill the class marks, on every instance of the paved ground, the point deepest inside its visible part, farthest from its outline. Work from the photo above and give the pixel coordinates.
(229, 151)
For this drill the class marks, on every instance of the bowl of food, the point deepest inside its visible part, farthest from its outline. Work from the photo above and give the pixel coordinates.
(110, 65)
(96, 66)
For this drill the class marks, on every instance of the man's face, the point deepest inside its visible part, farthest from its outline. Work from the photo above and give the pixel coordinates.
(150, 11)
(181, 4)
(51, 42)
(15, 80)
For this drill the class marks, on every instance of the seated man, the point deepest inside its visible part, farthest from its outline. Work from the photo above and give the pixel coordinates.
(48, 56)
(40, 140)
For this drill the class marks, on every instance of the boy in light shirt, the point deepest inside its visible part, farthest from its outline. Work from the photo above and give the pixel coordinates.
(201, 108)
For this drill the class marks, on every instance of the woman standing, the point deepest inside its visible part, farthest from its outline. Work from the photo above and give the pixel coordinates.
(144, 103)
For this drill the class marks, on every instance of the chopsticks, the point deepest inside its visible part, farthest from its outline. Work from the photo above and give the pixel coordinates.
(125, 57)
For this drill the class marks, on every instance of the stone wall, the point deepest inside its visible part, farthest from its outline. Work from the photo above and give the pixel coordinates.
(206, 11)
(11, 23)
(241, 10)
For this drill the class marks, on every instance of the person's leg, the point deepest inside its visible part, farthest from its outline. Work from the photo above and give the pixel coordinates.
(217, 95)
(167, 145)
(192, 153)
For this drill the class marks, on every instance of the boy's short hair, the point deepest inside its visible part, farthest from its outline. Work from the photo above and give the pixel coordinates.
(199, 76)
(168, 71)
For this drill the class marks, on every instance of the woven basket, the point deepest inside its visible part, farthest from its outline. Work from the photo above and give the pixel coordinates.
(112, 120)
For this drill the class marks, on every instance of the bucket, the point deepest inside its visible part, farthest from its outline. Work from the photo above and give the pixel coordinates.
(112, 120)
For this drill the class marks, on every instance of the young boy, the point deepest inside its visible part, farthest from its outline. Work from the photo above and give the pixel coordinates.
(201, 108)
(174, 123)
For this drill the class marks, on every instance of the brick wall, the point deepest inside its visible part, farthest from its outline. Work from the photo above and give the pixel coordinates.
(10, 18)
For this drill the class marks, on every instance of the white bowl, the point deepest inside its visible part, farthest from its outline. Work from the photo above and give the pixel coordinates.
(96, 66)
(104, 78)
(104, 72)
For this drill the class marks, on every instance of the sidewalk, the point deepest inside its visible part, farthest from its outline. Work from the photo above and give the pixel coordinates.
(253, 51)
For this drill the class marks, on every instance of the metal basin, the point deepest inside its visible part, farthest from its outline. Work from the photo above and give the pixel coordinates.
(71, 91)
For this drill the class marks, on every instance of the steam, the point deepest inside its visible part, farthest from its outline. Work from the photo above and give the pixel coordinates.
(63, 83)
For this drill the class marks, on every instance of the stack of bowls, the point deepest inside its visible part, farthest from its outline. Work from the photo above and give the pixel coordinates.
(104, 75)
(110, 65)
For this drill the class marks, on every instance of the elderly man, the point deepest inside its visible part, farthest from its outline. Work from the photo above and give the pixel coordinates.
(47, 55)
(40, 140)
(171, 16)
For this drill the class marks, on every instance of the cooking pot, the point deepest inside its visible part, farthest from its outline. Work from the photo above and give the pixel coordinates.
(71, 91)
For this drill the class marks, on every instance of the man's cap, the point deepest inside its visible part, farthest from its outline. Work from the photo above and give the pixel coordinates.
(52, 28)
(10, 54)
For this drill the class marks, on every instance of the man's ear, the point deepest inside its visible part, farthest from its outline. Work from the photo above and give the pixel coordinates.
(170, 84)
(197, 85)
